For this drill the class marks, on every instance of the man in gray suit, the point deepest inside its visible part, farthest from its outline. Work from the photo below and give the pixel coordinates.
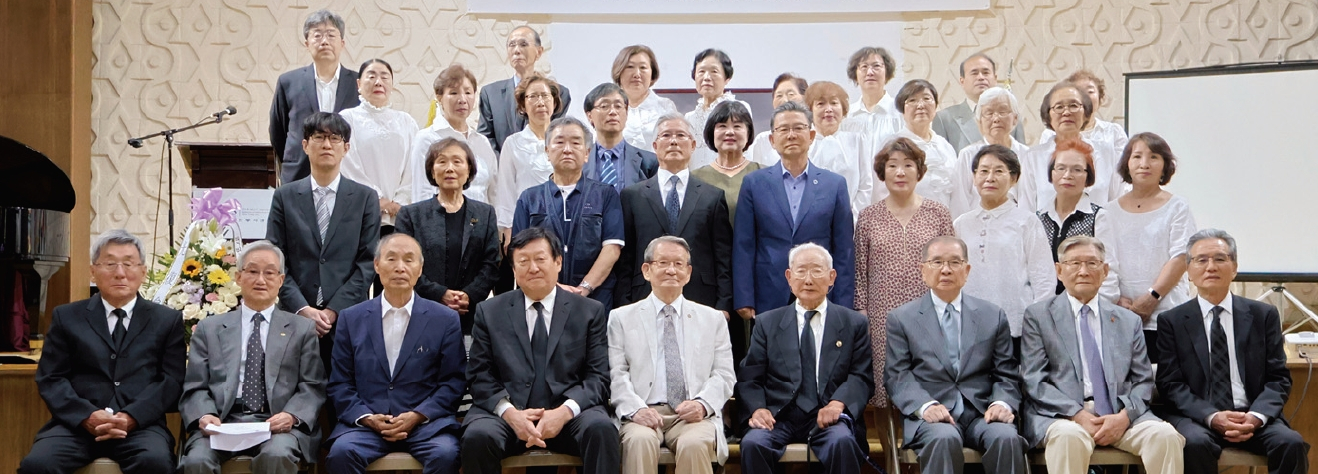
(499, 117)
(323, 86)
(951, 371)
(1087, 375)
(243, 369)
(957, 123)
(613, 161)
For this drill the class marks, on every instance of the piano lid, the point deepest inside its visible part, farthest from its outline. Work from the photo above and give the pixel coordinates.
(29, 179)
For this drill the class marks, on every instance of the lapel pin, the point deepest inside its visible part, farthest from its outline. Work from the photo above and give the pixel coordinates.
(839, 343)
(283, 335)
(1112, 319)
(815, 181)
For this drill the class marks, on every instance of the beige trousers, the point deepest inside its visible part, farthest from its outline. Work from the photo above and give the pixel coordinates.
(693, 444)
(1068, 446)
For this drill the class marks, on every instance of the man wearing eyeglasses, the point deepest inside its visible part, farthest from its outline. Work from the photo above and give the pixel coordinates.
(612, 160)
(275, 374)
(1222, 370)
(951, 370)
(808, 374)
(1087, 374)
(499, 117)
(111, 368)
(323, 86)
(671, 364)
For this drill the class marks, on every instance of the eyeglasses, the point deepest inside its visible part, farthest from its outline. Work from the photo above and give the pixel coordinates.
(607, 106)
(322, 138)
(919, 100)
(985, 172)
(1091, 265)
(1074, 170)
(538, 96)
(324, 35)
(666, 264)
(987, 115)
(872, 67)
(817, 272)
(674, 137)
(939, 264)
(116, 266)
(1073, 107)
(1202, 260)
(266, 274)
(794, 130)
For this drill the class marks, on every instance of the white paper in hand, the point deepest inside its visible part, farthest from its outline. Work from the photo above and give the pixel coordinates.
(238, 436)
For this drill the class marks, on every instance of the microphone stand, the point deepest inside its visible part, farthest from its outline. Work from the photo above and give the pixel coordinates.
(169, 147)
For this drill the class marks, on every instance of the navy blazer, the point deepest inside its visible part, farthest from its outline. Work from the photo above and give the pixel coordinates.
(598, 218)
(428, 377)
(295, 100)
(499, 117)
(640, 165)
(764, 233)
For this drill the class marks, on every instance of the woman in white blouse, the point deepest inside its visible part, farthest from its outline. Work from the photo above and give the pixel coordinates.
(1066, 110)
(997, 113)
(382, 140)
(712, 69)
(875, 114)
(787, 87)
(635, 70)
(1071, 212)
(1006, 244)
(522, 161)
(917, 102)
(1097, 132)
(1153, 227)
(842, 152)
(455, 89)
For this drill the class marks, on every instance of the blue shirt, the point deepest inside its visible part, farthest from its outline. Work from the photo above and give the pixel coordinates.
(795, 187)
(589, 219)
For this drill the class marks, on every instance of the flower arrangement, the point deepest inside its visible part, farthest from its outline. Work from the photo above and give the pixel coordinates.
(198, 275)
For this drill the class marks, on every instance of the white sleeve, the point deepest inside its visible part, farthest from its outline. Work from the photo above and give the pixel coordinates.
(1111, 289)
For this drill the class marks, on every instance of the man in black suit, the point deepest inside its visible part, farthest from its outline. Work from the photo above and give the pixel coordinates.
(323, 86)
(674, 203)
(327, 226)
(1222, 368)
(613, 161)
(539, 368)
(499, 117)
(111, 368)
(793, 399)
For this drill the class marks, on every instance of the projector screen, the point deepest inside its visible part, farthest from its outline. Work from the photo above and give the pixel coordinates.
(1246, 143)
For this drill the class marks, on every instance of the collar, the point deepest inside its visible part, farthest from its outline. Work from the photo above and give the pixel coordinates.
(682, 176)
(805, 173)
(822, 308)
(884, 105)
(700, 103)
(334, 80)
(617, 150)
(1085, 206)
(996, 212)
(1205, 306)
(373, 109)
(940, 306)
(548, 300)
(385, 306)
(333, 186)
(128, 308)
(1076, 304)
(659, 304)
(974, 105)
(248, 311)
(441, 124)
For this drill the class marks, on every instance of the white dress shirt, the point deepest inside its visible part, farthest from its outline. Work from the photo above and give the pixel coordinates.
(703, 155)
(1104, 232)
(939, 158)
(1229, 326)
(381, 144)
(523, 163)
(1144, 243)
(334, 191)
(128, 316)
(326, 92)
(487, 163)
(683, 178)
(1095, 328)
(245, 317)
(844, 153)
(659, 392)
(548, 311)
(762, 151)
(816, 325)
(642, 117)
(1038, 193)
(1011, 258)
(395, 321)
(964, 196)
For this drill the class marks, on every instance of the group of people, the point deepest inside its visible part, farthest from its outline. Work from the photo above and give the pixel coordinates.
(577, 281)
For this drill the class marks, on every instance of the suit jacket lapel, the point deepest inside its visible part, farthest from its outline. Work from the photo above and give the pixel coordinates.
(346, 91)
(138, 322)
(1064, 321)
(694, 189)
(829, 350)
(632, 158)
(510, 105)
(965, 120)
(779, 194)
(653, 194)
(1195, 329)
(306, 205)
(790, 342)
(650, 327)
(810, 194)
(1111, 348)
(929, 322)
(562, 311)
(276, 344)
(340, 211)
(375, 333)
(99, 321)
(969, 332)
(416, 327)
(1243, 320)
(229, 354)
(467, 229)
(517, 320)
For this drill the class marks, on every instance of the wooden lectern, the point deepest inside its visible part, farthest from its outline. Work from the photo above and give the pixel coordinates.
(230, 165)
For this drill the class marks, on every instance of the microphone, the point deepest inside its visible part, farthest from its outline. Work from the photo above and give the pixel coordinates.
(219, 116)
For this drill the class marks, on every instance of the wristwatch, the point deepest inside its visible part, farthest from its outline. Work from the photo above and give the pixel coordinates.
(588, 287)
(1155, 294)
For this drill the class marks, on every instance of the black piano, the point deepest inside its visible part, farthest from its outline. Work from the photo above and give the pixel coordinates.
(35, 200)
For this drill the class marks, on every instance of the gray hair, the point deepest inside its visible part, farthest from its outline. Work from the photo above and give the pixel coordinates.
(321, 17)
(809, 247)
(666, 239)
(791, 106)
(117, 237)
(1078, 240)
(671, 116)
(992, 93)
(379, 246)
(945, 239)
(1206, 234)
(259, 246)
(565, 121)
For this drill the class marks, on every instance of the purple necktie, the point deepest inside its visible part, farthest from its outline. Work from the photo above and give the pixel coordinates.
(1097, 380)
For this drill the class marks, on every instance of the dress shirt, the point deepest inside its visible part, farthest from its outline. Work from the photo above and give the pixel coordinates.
(1096, 329)
(548, 311)
(326, 92)
(381, 144)
(128, 310)
(816, 325)
(641, 119)
(333, 186)
(1011, 256)
(703, 155)
(683, 178)
(1238, 396)
(939, 159)
(395, 321)
(795, 187)
(487, 162)
(523, 163)
(659, 392)
(1145, 241)
(940, 307)
(965, 197)
(246, 314)
(845, 153)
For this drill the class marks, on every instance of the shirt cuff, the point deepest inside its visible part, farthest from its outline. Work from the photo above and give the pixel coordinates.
(1002, 404)
(572, 405)
(1261, 417)
(617, 242)
(926, 406)
(359, 419)
(503, 406)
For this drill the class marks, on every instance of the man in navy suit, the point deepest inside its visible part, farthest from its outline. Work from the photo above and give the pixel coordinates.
(323, 86)
(499, 117)
(398, 376)
(613, 161)
(785, 205)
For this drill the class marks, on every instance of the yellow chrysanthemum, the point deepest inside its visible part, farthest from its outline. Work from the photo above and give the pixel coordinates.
(218, 277)
(220, 253)
(191, 267)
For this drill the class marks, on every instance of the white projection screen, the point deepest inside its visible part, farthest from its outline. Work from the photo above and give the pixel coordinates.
(1246, 142)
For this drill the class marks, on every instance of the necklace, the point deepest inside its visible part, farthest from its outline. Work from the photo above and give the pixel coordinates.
(731, 168)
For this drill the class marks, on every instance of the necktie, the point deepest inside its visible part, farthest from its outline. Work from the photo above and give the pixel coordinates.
(1097, 380)
(952, 331)
(119, 331)
(808, 398)
(673, 360)
(608, 172)
(1220, 363)
(254, 371)
(322, 222)
(539, 397)
(671, 204)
